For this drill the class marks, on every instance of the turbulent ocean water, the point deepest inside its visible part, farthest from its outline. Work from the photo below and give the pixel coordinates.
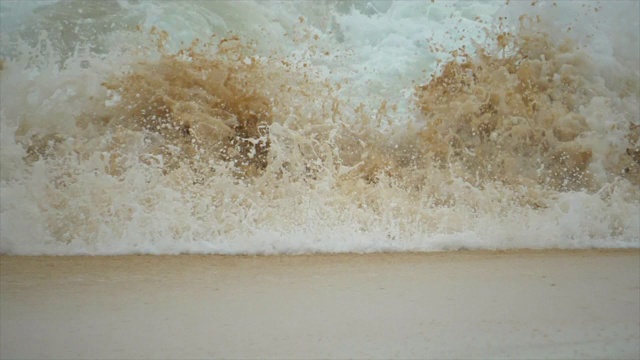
(260, 127)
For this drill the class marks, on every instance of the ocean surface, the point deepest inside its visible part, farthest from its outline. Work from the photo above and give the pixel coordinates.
(264, 127)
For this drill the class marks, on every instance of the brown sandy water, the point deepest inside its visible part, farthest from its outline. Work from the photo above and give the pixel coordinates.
(286, 137)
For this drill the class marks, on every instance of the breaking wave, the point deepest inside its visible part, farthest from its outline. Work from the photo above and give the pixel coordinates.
(264, 127)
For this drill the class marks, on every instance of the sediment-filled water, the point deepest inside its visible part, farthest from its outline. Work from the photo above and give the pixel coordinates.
(248, 127)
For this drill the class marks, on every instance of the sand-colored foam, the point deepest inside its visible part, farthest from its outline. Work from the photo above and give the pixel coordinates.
(525, 304)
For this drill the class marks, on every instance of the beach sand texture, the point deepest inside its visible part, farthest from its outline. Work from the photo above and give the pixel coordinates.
(524, 304)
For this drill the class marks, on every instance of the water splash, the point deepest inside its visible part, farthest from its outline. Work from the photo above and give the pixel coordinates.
(219, 145)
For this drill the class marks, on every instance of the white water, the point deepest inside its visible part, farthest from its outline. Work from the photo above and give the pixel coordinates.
(349, 153)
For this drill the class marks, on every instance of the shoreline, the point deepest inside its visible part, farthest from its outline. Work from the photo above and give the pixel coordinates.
(527, 251)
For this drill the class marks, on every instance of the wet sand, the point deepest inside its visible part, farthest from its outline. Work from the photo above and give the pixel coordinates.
(521, 304)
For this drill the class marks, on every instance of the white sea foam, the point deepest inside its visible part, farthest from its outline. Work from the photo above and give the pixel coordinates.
(318, 127)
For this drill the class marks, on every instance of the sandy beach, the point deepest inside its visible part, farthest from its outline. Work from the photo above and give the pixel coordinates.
(525, 304)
